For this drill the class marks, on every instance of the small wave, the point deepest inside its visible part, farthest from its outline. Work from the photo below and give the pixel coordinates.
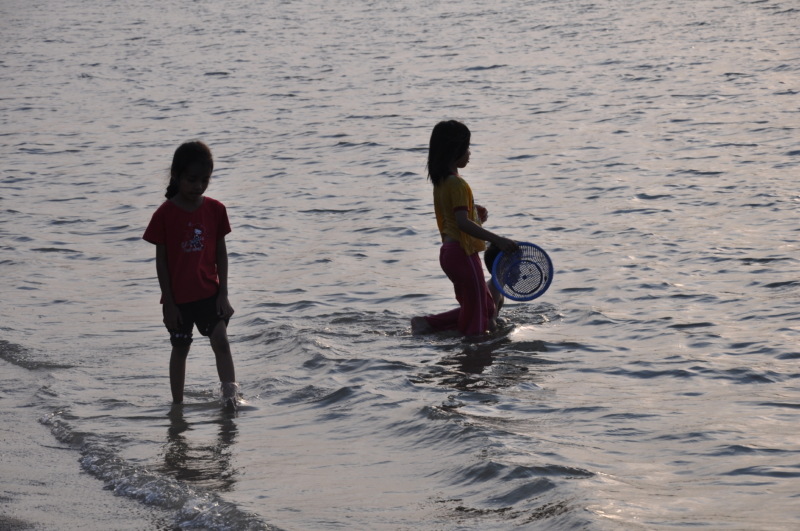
(479, 68)
(367, 117)
(780, 404)
(691, 325)
(192, 508)
(230, 111)
(291, 306)
(530, 490)
(491, 470)
(649, 374)
(701, 173)
(690, 437)
(766, 471)
(400, 231)
(787, 283)
(334, 211)
(344, 143)
(749, 261)
(528, 346)
(70, 221)
(738, 449)
(337, 396)
(20, 356)
(524, 472)
(65, 199)
(639, 211)
(652, 197)
(308, 393)
(54, 250)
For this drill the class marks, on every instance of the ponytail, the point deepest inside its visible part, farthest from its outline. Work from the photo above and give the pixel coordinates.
(188, 153)
(172, 188)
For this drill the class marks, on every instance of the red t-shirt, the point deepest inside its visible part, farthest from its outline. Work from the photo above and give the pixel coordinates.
(191, 240)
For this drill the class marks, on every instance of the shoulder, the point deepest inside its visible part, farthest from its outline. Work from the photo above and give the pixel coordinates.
(212, 204)
(163, 209)
(159, 224)
(218, 215)
(166, 205)
(455, 182)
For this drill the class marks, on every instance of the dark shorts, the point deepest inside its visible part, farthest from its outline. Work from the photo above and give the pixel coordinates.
(202, 313)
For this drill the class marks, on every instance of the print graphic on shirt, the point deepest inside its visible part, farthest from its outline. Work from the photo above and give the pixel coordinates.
(194, 237)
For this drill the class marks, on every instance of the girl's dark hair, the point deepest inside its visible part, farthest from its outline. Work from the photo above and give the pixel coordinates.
(187, 154)
(449, 141)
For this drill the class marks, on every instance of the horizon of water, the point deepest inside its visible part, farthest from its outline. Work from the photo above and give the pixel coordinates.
(648, 147)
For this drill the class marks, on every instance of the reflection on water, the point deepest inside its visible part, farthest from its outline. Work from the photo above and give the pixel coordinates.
(477, 365)
(206, 465)
(471, 362)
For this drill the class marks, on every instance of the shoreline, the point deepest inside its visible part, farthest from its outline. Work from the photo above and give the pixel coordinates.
(44, 486)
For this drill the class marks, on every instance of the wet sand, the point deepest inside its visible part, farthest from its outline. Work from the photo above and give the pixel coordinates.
(43, 486)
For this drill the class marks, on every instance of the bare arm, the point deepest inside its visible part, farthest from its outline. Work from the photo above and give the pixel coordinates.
(172, 316)
(476, 231)
(224, 308)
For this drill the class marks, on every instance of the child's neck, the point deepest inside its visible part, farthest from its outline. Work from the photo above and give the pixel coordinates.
(187, 204)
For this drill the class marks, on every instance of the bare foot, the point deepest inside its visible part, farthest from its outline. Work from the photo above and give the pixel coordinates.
(419, 325)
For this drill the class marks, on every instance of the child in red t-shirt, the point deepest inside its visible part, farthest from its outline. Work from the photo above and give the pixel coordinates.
(189, 231)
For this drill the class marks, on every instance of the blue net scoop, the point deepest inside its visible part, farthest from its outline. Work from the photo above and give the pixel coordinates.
(524, 275)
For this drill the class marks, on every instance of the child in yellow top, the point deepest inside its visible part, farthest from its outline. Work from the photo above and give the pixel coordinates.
(459, 220)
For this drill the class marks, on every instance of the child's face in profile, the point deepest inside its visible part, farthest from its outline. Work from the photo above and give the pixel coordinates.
(194, 181)
(463, 160)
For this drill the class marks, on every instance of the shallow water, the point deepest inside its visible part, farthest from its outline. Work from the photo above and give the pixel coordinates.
(649, 148)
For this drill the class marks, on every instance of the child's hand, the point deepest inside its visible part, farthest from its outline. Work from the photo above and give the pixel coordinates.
(172, 316)
(224, 308)
(483, 214)
(507, 246)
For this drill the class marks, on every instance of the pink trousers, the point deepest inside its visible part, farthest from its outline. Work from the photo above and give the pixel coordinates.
(476, 304)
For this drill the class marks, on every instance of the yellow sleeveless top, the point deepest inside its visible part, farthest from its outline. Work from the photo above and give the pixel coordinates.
(451, 195)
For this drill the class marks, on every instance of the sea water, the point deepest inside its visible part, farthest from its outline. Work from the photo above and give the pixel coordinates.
(650, 147)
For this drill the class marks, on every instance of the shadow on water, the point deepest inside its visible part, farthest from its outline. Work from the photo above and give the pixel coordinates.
(206, 465)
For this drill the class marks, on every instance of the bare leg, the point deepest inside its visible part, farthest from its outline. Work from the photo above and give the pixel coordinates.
(177, 372)
(222, 351)
(419, 325)
(497, 297)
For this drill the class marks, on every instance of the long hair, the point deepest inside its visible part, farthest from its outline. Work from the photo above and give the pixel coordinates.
(188, 153)
(449, 141)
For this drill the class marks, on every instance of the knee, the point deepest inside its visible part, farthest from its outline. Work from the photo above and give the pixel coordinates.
(179, 352)
(219, 337)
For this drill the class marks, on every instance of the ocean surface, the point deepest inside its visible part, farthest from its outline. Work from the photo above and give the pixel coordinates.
(651, 148)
